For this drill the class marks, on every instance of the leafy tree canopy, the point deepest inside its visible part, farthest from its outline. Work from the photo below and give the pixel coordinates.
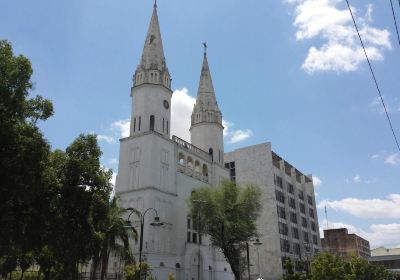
(227, 214)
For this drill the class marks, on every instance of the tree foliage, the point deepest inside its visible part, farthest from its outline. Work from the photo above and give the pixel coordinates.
(228, 214)
(55, 207)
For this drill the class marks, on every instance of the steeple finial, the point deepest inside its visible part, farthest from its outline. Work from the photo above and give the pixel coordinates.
(155, 3)
(205, 47)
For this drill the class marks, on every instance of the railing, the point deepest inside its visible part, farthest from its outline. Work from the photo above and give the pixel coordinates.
(190, 147)
(192, 173)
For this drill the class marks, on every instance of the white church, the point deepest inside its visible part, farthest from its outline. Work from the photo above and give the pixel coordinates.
(159, 171)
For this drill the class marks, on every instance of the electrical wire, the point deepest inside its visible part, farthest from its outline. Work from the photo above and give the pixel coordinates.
(373, 75)
(395, 21)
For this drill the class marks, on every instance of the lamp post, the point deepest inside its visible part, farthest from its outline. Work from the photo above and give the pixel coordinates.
(257, 243)
(141, 215)
(200, 203)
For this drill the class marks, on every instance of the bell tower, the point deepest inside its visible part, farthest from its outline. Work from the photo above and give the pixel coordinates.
(151, 91)
(206, 130)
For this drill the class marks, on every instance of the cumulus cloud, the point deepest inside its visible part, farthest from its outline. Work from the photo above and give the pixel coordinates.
(181, 111)
(331, 23)
(240, 135)
(378, 234)
(123, 126)
(393, 159)
(106, 138)
(367, 208)
(375, 156)
(317, 181)
(357, 179)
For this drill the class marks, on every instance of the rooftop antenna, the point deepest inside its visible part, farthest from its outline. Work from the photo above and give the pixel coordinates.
(326, 218)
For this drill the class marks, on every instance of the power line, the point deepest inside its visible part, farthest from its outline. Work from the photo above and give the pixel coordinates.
(373, 75)
(395, 21)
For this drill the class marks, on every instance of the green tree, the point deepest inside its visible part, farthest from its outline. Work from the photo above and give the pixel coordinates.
(116, 236)
(291, 274)
(228, 214)
(326, 266)
(361, 269)
(24, 157)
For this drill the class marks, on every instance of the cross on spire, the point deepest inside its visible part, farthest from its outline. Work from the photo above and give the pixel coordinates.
(205, 47)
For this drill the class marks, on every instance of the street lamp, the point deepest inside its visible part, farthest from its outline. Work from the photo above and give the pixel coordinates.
(257, 243)
(154, 223)
(200, 203)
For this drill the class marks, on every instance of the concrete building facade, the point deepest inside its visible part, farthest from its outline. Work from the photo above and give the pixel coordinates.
(339, 242)
(288, 224)
(388, 258)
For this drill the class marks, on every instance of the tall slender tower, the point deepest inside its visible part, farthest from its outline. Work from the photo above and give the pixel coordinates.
(206, 130)
(151, 91)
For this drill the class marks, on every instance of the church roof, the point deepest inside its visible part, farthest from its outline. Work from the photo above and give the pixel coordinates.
(206, 94)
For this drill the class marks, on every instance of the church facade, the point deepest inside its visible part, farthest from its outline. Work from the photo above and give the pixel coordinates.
(159, 171)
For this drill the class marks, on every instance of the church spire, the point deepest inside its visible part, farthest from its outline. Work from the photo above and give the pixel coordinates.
(152, 68)
(206, 102)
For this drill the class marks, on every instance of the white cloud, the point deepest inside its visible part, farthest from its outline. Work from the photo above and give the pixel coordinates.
(375, 156)
(317, 181)
(240, 135)
(357, 179)
(108, 139)
(378, 234)
(393, 159)
(123, 126)
(340, 49)
(367, 208)
(181, 111)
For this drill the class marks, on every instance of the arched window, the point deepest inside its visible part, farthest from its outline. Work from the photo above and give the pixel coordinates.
(152, 122)
(211, 153)
(134, 124)
(197, 166)
(178, 265)
(190, 162)
(181, 159)
(205, 170)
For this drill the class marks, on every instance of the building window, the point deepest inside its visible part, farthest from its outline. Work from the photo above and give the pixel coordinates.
(295, 233)
(232, 170)
(140, 122)
(163, 125)
(302, 208)
(305, 237)
(315, 239)
(310, 200)
(296, 248)
(280, 196)
(151, 122)
(293, 217)
(281, 212)
(311, 212)
(188, 223)
(278, 181)
(188, 237)
(134, 124)
(194, 237)
(167, 127)
(285, 246)
(205, 170)
(290, 188)
(211, 153)
(313, 227)
(292, 203)
(304, 222)
(301, 195)
(283, 228)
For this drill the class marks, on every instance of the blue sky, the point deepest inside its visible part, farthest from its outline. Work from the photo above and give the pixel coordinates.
(290, 72)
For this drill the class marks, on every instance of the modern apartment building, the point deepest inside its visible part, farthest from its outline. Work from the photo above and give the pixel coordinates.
(288, 224)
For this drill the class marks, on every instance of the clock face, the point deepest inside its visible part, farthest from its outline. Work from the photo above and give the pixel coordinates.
(166, 104)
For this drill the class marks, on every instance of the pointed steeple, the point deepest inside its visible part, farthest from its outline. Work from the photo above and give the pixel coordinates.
(206, 107)
(152, 68)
